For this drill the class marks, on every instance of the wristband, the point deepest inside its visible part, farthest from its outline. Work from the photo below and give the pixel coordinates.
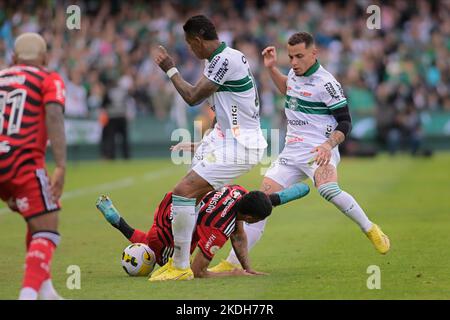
(171, 72)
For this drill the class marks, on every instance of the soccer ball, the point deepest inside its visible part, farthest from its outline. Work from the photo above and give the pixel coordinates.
(138, 260)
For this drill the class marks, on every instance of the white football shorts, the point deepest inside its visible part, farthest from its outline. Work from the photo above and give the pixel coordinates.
(296, 163)
(219, 160)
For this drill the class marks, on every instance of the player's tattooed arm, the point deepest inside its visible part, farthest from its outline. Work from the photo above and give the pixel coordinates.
(336, 138)
(239, 242)
(54, 120)
(193, 95)
(323, 152)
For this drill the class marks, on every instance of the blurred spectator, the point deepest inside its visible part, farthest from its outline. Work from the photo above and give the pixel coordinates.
(409, 57)
(114, 117)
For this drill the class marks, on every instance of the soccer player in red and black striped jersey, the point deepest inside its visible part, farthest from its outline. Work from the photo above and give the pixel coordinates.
(31, 112)
(220, 216)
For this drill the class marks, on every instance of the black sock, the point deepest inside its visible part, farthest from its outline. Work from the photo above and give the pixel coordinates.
(123, 227)
(275, 199)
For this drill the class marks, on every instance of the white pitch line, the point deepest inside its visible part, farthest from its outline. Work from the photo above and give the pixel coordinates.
(118, 184)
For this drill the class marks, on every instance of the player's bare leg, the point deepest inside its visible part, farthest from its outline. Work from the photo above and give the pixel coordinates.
(184, 198)
(326, 182)
(41, 245)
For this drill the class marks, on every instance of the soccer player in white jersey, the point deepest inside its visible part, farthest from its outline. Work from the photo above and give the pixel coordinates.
(318, 121)
(233, 147)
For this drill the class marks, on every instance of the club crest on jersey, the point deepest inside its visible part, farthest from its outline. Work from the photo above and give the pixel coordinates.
(214, 249)
(235, 194)
(292, 104)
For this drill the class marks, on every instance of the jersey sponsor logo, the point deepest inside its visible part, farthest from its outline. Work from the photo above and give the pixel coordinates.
(310, 81)
(234, 116)
(229, 202)
(294, 140)
(297, 122)
(6, 81)
(210, 242)
(222, 71)
(213, 64)
(331, 90)
(214, 200)
(305, 93)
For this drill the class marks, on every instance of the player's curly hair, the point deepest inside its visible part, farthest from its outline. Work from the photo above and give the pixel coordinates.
(200, 26)
(256, 204)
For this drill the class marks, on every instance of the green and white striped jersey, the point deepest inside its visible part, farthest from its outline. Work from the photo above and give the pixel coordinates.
(309, 101)
(236, 102)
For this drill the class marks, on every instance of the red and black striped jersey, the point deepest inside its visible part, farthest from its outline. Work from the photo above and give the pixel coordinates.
(25, 90)
(215, 223)
(217, 218)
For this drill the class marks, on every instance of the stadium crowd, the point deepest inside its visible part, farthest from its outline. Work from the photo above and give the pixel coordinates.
(393, 73)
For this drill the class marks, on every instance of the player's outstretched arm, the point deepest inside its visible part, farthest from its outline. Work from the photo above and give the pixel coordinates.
(193, 95)
(270, 62)
(54, 120)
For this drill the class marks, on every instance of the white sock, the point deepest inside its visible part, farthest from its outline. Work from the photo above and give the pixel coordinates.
(183, 224)
(47, 292)
(28, 294)
(254, 232)
(346, 203)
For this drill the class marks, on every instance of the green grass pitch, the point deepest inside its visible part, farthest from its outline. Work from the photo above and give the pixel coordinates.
(310, 249)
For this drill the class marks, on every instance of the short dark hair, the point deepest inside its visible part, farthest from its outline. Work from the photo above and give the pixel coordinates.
(301, 37)
(256, 204)
(200, 26)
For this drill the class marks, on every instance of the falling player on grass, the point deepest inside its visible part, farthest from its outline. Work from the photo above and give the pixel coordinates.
(220, 215)
(318, 121)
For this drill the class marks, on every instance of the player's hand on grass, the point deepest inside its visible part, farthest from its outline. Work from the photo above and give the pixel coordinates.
(57, 183)
(164, 61)
(323, 154)
(270, 57)
(249, 272)
(256, 273)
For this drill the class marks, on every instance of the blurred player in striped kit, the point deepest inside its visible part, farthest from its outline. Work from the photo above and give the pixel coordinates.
(32, 102)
